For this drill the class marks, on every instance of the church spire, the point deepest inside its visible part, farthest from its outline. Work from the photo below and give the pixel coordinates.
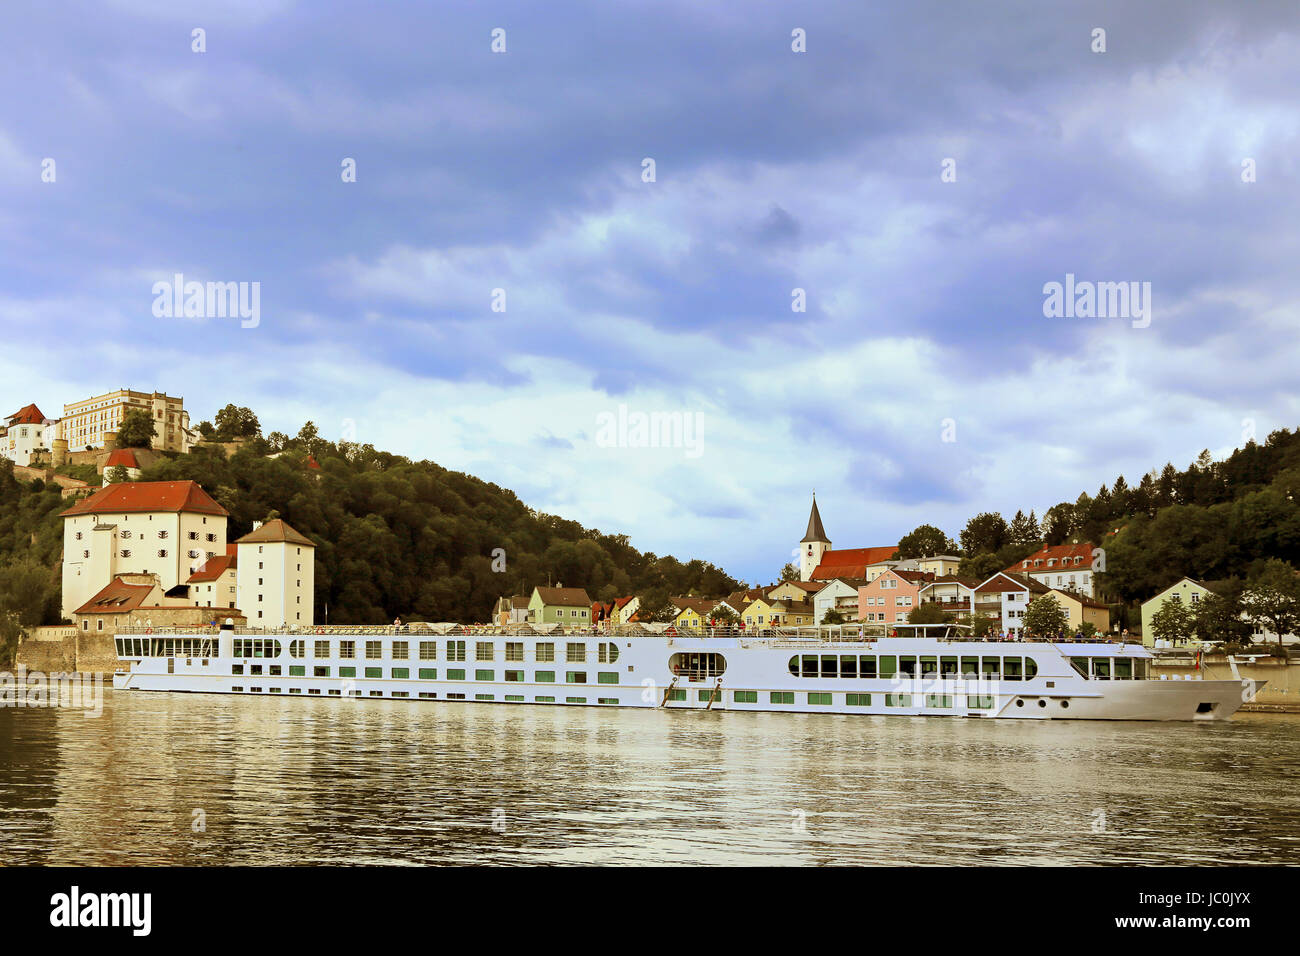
(815, 530)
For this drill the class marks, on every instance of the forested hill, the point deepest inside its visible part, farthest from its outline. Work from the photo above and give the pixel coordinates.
(395, 537)
(1216, 521)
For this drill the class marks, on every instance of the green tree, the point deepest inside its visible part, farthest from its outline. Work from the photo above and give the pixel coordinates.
(118, 474)
(1024, 531)
(923, 541)
(234, 422)
(1173, 622)
(929, 612)
(789, 573)
(1044, 617)
(834, 616)
(1272, 599)
(137, 430)
(987, 531)
(1218, 618)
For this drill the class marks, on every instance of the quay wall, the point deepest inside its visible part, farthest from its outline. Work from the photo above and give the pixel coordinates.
(88, 653)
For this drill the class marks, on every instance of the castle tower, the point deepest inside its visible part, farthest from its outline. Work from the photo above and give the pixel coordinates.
(814, 544)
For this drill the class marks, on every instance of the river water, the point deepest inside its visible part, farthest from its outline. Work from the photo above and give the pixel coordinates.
(198, 779)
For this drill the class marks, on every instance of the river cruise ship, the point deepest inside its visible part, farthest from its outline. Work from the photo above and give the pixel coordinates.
(932, 672)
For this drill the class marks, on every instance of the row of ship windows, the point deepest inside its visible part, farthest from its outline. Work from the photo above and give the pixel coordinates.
(574, 652)
(932, 701)
(422, 673)
(889, 666)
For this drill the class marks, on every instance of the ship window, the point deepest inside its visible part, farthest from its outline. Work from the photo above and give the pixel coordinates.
(429, 650)
(1012, 668)
(545, 652)
(320, 672)
(374, 672)
(455, 650)
(938, 700)
(344, 671)
(979, 703)
(347, 649)
(794, 665)
(1031, 668)
(575, 653)
(898, 700)
(809, 666)
(1080, 664)
(970, 667)
(948, 668)
(322, 649)
(373, 651)
(907, 667)
(867, 666)
(401, 650)
(929, 667)
(819, 700)
(781, 697)
(888, 666)
(849, 666)
(990, 668)
(606, 652)
(1123, 668)
(297, 648)
(485, 675)
(544, 677)
(484, 651)
(1101, 668)
(514, 650)
(830, 665)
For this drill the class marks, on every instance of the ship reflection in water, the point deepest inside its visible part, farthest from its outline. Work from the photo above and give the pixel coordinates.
(216, 780)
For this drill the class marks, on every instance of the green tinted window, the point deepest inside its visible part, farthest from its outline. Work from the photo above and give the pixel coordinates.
(485, 675)
(297, 670)
(819, 700)
(745, 696)
(781, 697)
(858, 700)
(401, 673)
(888, 665)
(374, 672)
(428, 673)
(544, 677)
(455, 673)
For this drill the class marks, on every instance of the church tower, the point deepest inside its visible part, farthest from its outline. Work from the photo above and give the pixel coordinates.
(814, 544)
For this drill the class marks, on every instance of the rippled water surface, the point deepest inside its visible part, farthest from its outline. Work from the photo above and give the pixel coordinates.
(294, 781)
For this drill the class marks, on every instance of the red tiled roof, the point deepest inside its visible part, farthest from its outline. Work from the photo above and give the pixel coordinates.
(564, 597)
(1006, 581)
(213, 568)
(851, 562)
(117, 597)
(127, 497)
(122, 456)
(27, 415)
(1058, 554)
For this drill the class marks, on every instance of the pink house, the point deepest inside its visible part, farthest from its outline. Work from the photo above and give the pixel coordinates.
(889, 599)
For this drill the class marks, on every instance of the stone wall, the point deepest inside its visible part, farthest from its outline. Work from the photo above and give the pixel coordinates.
(91, 653)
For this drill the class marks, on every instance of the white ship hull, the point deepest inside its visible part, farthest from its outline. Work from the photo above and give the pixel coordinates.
(890, 676)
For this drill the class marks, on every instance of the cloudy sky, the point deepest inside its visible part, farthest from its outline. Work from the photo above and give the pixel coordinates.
(774, 170)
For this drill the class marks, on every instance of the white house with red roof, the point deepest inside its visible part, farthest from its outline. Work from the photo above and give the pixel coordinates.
(1067, 567)
(167, 528)
(26, 432)
(1006, 595)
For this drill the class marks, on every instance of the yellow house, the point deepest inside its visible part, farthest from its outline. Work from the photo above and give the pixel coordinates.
(769, 612)
(1188, 591)
(1080, 609)
(694, 613)
(795, 590)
